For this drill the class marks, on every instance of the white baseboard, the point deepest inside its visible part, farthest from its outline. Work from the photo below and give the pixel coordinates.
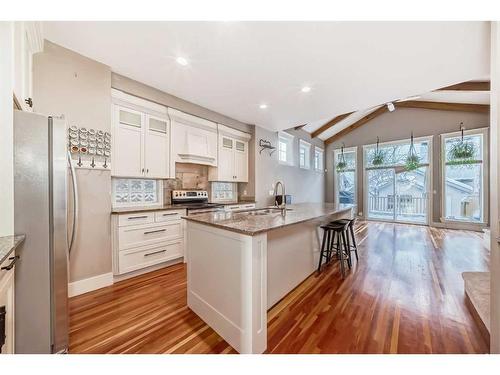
(92, 283)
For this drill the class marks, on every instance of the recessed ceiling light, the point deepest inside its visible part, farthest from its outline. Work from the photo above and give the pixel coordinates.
(306, 89)
(390, 107)
(263, 106)
(182, 61)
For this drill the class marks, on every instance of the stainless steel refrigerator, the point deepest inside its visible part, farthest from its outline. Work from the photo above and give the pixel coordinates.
(41, 212)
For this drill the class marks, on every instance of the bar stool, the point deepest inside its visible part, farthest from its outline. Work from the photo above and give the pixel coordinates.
(328, 244)
(350, 223)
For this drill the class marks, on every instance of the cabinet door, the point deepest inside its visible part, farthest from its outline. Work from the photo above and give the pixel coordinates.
(128, 143)
(241, 161)
(226, 159)
(156, 149)
(7, 302)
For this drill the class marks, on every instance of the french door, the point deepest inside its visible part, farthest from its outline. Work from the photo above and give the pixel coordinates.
(393, 193)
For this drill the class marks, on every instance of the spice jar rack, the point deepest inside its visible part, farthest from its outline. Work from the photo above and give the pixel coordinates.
(90, 148)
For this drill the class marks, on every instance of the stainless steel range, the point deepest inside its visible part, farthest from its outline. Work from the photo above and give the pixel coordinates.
(195, 201)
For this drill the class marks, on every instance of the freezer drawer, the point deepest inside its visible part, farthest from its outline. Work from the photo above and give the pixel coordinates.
(145, 256)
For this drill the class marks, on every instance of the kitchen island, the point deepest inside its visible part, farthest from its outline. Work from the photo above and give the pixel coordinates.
(242, 263)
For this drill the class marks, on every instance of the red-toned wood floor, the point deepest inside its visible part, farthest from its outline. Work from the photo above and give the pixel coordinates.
(405, 296)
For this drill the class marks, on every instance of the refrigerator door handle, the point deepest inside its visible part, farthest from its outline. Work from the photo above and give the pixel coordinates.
(74, 188)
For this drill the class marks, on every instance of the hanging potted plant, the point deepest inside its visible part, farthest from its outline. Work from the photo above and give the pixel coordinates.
(378, 157)
(412, 160)
(341, 164)
(461, 152)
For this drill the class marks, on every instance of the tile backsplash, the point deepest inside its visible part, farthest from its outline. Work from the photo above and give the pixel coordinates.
(187, 176)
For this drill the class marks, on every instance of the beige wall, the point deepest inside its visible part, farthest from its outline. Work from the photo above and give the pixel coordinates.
(150, 93)
(398, 125)
(65, 82)
(6, 131)
(304, 185)
(494, 191)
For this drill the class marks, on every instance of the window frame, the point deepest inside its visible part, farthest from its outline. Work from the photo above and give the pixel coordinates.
(289, 140)
(307, 154)
(336, 151)
(159, 193)
(322, 152)
(485, 176)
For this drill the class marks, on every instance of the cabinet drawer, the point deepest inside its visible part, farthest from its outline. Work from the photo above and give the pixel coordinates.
(130, 237)
(146, 256)
(136, 219)
(233, 207)
(247, 206)
(169, 215)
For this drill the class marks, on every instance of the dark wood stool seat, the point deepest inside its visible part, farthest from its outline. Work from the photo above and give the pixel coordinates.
(330, 231)
(352, 246)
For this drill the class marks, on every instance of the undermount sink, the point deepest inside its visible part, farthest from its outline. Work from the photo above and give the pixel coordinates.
(267, 211)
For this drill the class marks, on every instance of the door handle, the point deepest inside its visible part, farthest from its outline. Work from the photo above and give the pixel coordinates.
(11, 264)
(155, 231)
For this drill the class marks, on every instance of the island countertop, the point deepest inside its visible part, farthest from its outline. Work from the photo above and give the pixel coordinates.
(247, 222)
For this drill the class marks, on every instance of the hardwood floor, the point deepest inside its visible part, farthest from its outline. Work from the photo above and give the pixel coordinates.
(405, 296)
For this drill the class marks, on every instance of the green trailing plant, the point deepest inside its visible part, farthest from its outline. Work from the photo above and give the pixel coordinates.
(378, 157)
(462, 152)
(412, 161)
(341, 164)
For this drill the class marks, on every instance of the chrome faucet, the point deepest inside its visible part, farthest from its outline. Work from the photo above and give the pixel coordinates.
(283, 198)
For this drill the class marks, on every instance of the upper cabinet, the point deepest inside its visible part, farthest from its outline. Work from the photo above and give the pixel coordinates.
(233, 156)
(194, 140)
(28, 40)
(141, 138)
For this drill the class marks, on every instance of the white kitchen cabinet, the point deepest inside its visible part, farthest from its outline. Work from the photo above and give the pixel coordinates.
(194, 140)
(233, 156)
(7, 303)
(144, 239)
(141, 138)
(28, 40)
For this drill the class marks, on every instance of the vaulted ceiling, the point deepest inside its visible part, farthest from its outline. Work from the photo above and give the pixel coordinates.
(235, 67)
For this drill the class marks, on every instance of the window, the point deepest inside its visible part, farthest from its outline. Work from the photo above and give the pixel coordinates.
(345, 179)
(285, 148)
(464, 179)
(318, 159)
(224, 191)
(137, 192)
(304, 154)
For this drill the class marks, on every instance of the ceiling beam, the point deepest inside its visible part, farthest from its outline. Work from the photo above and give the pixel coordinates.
(329, 124)
(357, 124)
(468, 86)
(444, 106)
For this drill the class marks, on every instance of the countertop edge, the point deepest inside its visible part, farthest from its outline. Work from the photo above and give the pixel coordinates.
(254, 233)
(10, 243)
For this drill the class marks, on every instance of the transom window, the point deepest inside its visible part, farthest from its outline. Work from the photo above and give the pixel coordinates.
(304, 154)
(136, 192)
(318, 159)
(285, 148)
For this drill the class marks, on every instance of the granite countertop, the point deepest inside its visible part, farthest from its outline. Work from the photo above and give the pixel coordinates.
(250, 224)
(130, 210)
(8, 244)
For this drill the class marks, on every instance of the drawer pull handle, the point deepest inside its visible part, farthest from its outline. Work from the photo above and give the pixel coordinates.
(155, 231)
(233, 208)
(137, 217)
(11, 264)
(156, 252)
(171, 214)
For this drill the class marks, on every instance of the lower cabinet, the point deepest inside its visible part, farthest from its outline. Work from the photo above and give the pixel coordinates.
(141, 240)
(7, 309)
